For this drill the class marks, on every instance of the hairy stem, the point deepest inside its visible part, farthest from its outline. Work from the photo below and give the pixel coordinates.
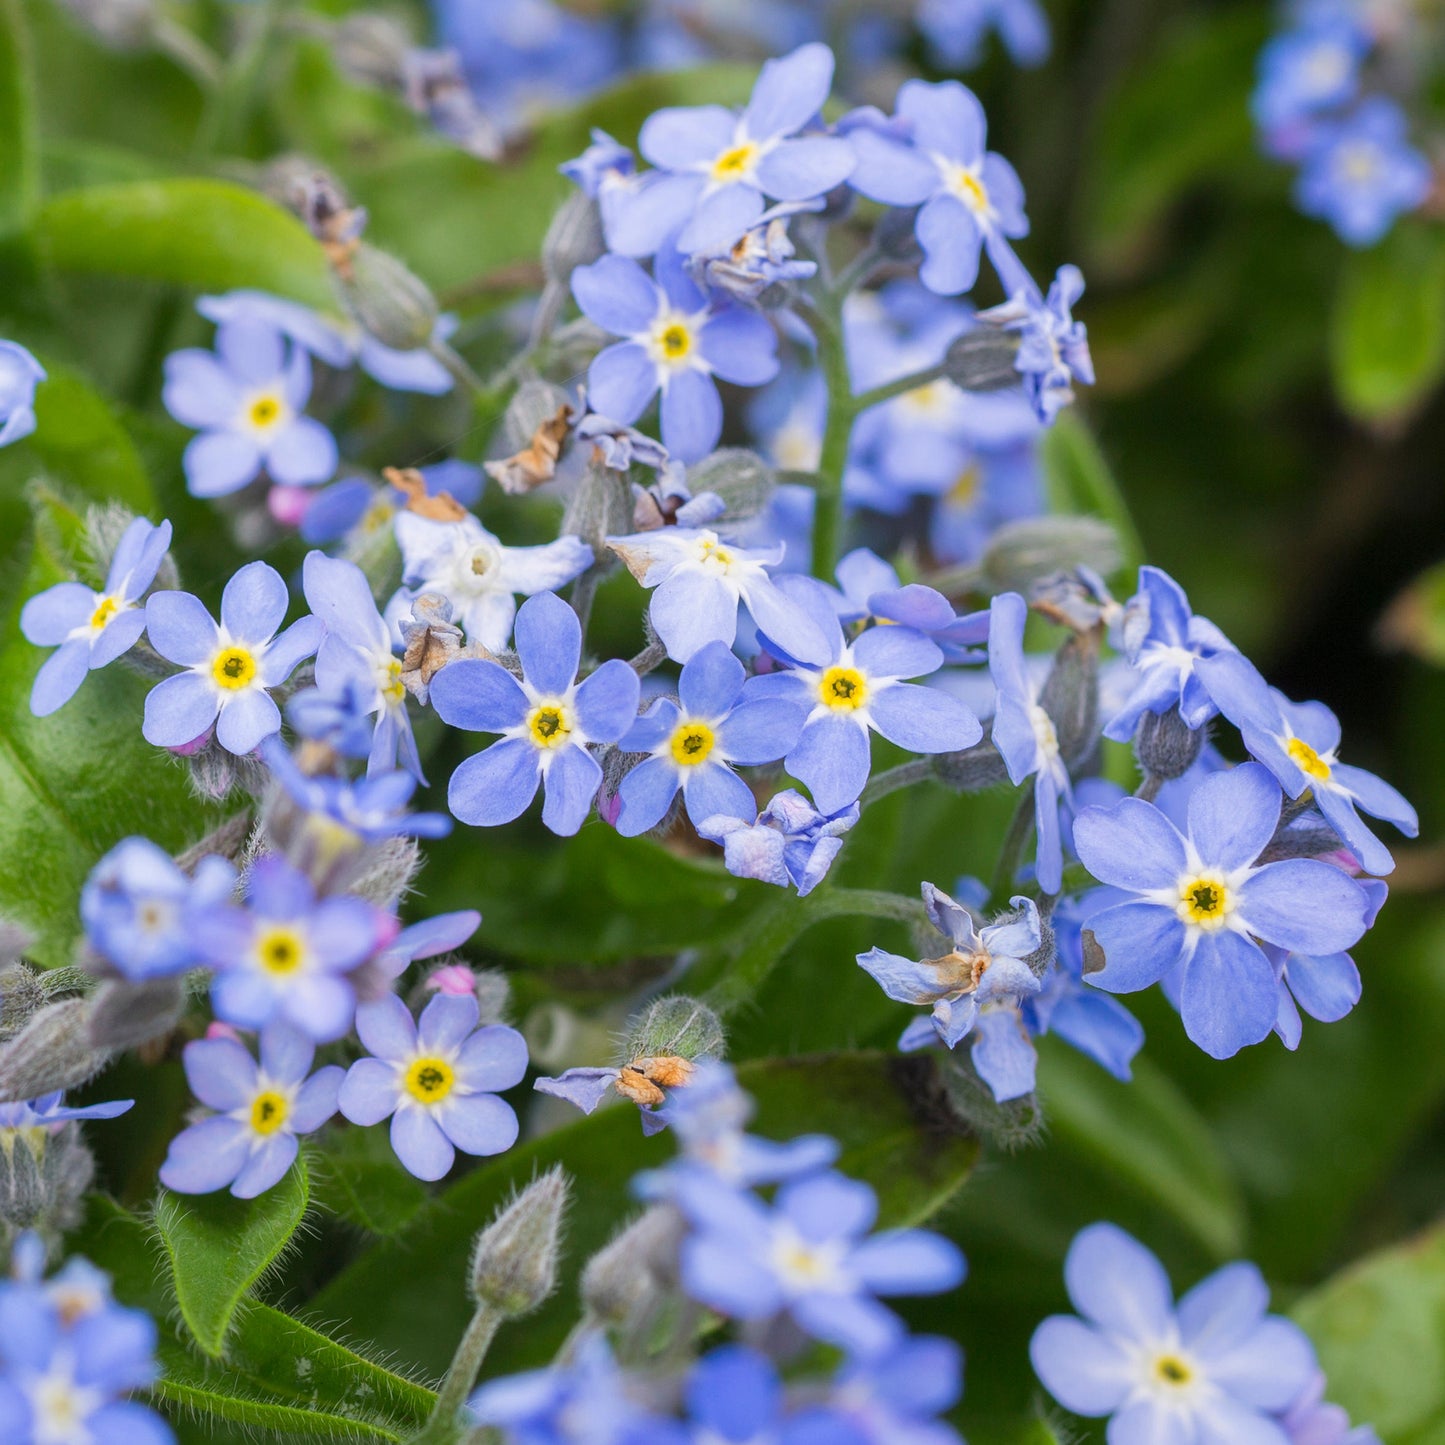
(833, 459)
(1019, 828)
(916, 770)
(901, 387)
(443, 1427)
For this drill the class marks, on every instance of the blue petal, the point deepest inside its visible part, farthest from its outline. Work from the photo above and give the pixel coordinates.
(621, 380)
(789, 92)
(618, 295)
(812, 166)
(254, 603)
(740, 346)
(1304, 905)
(832, 757)
(49, 617)
(549, 643)
(761, 730)
(60, 676)
(1084, 1370)
(571, 784)
(1141, 942)
(952, 244)
(482, 697)
(420, 1144)
(691, 609)
(1228, 1000)
(180, 628)
(1131, 845)
(711, 681)
(1233, 815)
(478, 1124)
(1119, 1285)
(1327, 986)
(896, 652)
(946, 117)
(179, 710)
(646, 793)
(218, 463)
(923, 719)
(495, 786)
(607, 701)
(691, 416)
(245, 719)
(205, 1157)
(714, 790)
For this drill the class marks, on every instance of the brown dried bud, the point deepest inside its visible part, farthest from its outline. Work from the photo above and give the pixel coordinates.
(437, 507)
(536, 463)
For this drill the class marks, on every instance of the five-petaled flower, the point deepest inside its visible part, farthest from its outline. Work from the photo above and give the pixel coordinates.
(1204, 902)
(247, 398)
(89, 629)
(547, 719)
(249, 1142)
(1216, 1367)
(693, 744)
(675, 343)
(230, 668)
(437, 1079)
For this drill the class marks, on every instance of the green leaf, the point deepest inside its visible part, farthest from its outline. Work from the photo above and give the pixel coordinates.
(409, 1294)
(452, 218)
(219, 1247)
(1379, 1328)
(77, 782)
(279, 1374)
(1148, 1133)
(1078, 480)
(210, 235)
(19, 161)
(355, 1176)
(1387, 339)
(80, 441)
(1181, 119)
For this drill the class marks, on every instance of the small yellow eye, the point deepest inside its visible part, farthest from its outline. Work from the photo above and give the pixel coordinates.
(969, 189)
(233, 668)
(105, 609)
(691, 744)
(1308, 760)
(549, 725)
(268, 1113)
(264, 411)
(429, 1081)
(280, 951)
(843, 688)
(733, 164)
(1205, 901)
(1171, 1370)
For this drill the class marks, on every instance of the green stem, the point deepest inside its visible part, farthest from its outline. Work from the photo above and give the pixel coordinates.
(770, 935)
(443, 1427)
(917, 770)
(457, 367)
(1019, 829)
(902, 386)
(228, 106)
(833, 459)
(189, 51)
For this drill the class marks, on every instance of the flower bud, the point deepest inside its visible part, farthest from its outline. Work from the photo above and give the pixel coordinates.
(674, 1027)
(395, 306)
(1022, 553)
(740, 477)
(601, 506)
(372, 49)
(43, 1178)
(21, 994)
(636, 1268)
(983, 360)
(125, 1015)
(973, 770)
(573, 239)
(1165, 745)
(1070, 696)
(1010, 1126)
(514, 1259)
(53, 1051)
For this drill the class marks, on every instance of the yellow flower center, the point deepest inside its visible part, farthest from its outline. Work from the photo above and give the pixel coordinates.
(233, 668)
(1308, 760)
(392, 688)
(1205, 901)
(429, 1081)
(264, 411)
(280, 950)
(268, 1112)
(1171, 1370)
(1359, 162)
(969, 189)
(927, 400)
(378, 515)
(691, 744)
(550, 725)
(712, 551)
(964, 491)
(105, 609)
(734, 164)
(844, 688)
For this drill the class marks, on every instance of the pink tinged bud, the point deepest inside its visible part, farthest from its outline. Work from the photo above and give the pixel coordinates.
(217, 1030)
(186, 750)
(609, 806)
(455, 978)
(288, 505)
(1344, 860)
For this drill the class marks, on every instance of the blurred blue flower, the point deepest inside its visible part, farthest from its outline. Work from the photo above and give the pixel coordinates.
(1215, 1367)
(956, 29)
(353, 504)
(285, 954)
(1200, 900)
(90, 629)
(1309, 69)
(894, 1398)
(1360, 173)
(1310, 1421)
(1054, 348)
(808, 1254)
(20, 374)
(436, 1079)
(674, 343)
(229, 669)
(546, 719)
(138, 907)
(49, 1110)
(248, 399)
(694, 747)
(249, 1141)
(603, 162)
(734, 1396)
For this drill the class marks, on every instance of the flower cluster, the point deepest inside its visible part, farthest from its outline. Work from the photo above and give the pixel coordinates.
(71, 1357)
(810, 1257)
(1324, 101)
(1216, 1366)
